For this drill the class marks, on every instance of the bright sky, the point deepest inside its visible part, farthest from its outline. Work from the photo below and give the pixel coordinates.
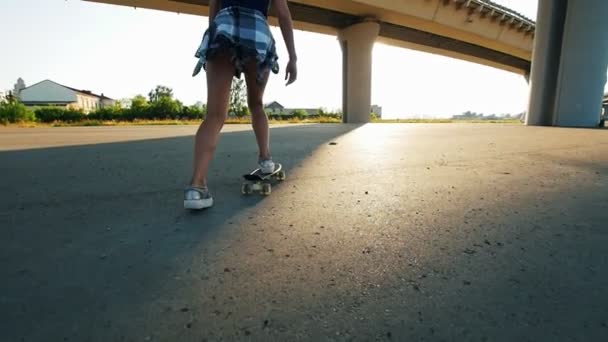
(122, 52)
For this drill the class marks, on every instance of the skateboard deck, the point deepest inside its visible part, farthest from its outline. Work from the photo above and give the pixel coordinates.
(256, 181)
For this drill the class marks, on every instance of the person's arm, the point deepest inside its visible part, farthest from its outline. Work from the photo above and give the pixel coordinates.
(284, 15)
(213, 8)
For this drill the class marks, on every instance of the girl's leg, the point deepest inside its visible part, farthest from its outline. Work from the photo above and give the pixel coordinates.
(255, 101)
(220, 72)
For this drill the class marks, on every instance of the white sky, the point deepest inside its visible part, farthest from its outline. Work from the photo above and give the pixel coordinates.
(123, 52)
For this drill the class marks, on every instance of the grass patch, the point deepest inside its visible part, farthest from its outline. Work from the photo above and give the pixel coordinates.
(412, 121)
(90, 123)
(229, 121)
(245, 120)
(505, 121)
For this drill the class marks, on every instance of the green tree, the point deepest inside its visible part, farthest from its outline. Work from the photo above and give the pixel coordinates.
(15, 112)
(139, 107)
(238, 97)
(193, 112)
(10, 98)
(160, 92)
(139, 101)
(164, 108)
(162, 104)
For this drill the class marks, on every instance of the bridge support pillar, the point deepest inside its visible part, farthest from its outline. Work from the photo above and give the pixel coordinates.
(569, 63)
(357, 42)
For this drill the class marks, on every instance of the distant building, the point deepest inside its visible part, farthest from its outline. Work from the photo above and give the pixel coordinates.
(274, 108)
(125, 103)
(49, 93)
(19, 86)
(377, 110)
(3, 96)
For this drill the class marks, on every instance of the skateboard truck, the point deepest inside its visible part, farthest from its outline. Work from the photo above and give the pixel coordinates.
(257, 181)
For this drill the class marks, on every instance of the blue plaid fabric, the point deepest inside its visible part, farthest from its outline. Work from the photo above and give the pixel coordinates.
(245, 32)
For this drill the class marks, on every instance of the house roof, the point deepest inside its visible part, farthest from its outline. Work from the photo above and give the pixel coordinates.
(85, 92)
(275, 103)
(46, 102)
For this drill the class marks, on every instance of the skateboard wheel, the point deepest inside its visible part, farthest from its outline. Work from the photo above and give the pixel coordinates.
(266, 189)
(281, 175)
(246, 189)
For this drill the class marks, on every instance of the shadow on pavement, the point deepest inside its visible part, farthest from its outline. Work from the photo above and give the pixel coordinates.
(91, 232)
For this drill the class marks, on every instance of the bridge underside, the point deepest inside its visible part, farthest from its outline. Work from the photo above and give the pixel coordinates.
(358, 24)
(449, 28)
(323, 20)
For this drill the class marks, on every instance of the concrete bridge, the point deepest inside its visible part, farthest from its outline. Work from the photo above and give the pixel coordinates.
(604, 111)
(567, 72)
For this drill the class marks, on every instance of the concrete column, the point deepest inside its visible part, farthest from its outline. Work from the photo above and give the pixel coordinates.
(545, 61)
(583, 65)
(357, 42)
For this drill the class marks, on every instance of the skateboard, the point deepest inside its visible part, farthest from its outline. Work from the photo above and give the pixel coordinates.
(260, 182)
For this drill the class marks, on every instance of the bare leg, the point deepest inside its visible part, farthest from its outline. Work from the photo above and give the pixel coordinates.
(255, 101)
(220, 72)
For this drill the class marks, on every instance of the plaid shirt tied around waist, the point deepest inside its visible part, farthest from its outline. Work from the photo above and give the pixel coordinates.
(246, 33)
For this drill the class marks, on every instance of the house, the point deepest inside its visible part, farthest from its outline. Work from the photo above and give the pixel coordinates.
(3, 96)
(50, 93)
(274, 108)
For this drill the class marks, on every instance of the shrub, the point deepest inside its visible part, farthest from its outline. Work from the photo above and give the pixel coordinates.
(280, 117)
(15, 112)
(107, 114)
(51, 114)
(192, 113)
(244, 112)
(299, 114)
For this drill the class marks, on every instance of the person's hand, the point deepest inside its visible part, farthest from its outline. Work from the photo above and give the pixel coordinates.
(291, 72)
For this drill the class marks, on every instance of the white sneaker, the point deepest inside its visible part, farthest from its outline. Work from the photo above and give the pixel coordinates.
(197, 198)
(267, 166)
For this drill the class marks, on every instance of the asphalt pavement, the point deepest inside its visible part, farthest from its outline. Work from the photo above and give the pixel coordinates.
(403, 232)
